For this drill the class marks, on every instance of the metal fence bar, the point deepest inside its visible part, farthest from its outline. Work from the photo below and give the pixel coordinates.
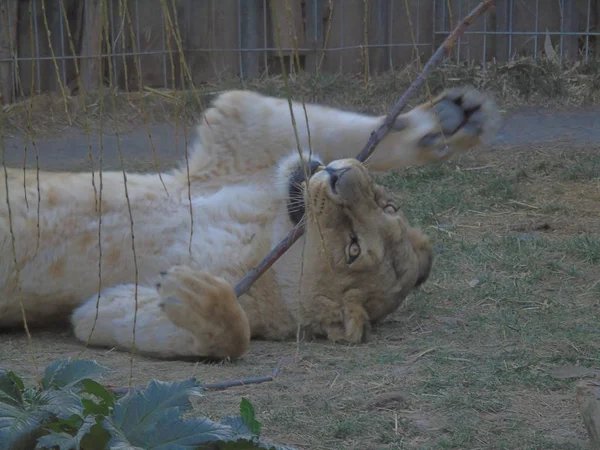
(137, 36)
(587, 30)
(62, 43)
(525, 33)
(37, 49)
(239, 33)
(13, 52)
(537, 20)
(562, 27)
(510, 28)
(266, 36)
(391, 33)
(458, 44)
(484, 51)
(163, 28)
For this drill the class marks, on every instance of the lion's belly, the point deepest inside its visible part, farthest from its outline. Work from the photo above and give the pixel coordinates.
(62, 269)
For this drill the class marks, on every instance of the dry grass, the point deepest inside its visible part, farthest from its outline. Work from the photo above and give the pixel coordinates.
(518, 83)
(469, 362)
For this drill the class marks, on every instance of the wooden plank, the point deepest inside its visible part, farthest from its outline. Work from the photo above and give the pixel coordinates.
(213, 25)
(8, 36)
(570, 24)
(346, 37)
(91, 45)
(199, 34)
(407, 30)
(502, 22)
(120, 13)
(288, 14)
(316, 14)
(25, 44)
(379, 32)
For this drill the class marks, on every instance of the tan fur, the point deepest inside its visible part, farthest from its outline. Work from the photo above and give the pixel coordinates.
(239, 174)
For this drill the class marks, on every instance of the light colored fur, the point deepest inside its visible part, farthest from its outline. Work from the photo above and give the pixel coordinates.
(238, 176)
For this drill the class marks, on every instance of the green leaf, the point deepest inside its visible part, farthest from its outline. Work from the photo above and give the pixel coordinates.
(249, 416)
(65, 373)
(173, 433)
(94, 388)
(242, 444)
(60, 403)
(97, 436)
(91, 408)
(70, 425)
(17, 422)
(16, 379)
(91, 436)
(64, 441)
(11, 387)
(137, 413)
(238, 426)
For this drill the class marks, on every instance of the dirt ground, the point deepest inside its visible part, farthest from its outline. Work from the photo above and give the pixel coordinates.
(485, 356)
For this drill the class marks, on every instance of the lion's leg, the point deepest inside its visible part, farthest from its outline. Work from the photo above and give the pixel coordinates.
(244, 132)
(188, 314)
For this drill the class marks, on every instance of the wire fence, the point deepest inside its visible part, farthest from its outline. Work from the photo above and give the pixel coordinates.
(49, 45)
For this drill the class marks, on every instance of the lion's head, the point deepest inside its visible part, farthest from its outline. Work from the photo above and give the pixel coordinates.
(361, 257)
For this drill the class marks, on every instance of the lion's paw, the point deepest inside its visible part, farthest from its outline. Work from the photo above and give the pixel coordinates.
(357, 324)
(206, 306)
(356, 328)
(465, 117)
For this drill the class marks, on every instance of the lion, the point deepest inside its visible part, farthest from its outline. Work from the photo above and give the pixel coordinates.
(163, 255)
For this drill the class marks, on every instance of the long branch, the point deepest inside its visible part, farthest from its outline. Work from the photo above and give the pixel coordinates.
(214, 386)
(256, 272)
(207, 387)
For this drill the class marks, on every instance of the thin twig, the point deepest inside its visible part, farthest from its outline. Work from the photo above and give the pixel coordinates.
(256, 272)
(221, 386)
(212, 386)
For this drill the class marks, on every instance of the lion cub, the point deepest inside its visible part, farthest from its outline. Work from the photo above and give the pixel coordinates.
(198, 235)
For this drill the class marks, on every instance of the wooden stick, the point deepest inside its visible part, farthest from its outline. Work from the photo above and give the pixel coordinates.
(256, 272)
(214, 386)
(588, 399)
(207, 387)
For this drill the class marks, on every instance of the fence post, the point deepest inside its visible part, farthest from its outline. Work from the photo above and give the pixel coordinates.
(249, 12)
(8, 36)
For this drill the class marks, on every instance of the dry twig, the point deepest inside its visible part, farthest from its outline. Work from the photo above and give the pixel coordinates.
(118, 390)
(214, 386)
(256, 272)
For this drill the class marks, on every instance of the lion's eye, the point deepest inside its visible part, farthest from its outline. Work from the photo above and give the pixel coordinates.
(353, 251)
(390, 209)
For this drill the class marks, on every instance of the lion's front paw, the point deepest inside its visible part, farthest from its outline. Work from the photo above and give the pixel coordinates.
(465, 117)
(356, 323)
(356, 328)
(206, 306)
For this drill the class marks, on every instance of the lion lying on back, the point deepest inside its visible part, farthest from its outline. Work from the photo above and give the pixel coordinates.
(247, 188)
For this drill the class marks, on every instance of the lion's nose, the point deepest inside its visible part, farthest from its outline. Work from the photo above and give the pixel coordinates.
(335, 175)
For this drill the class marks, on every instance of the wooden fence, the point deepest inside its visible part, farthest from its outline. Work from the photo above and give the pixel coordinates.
(171, 43)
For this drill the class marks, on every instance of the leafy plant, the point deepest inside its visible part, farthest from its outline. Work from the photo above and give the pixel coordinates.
(72, 411)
